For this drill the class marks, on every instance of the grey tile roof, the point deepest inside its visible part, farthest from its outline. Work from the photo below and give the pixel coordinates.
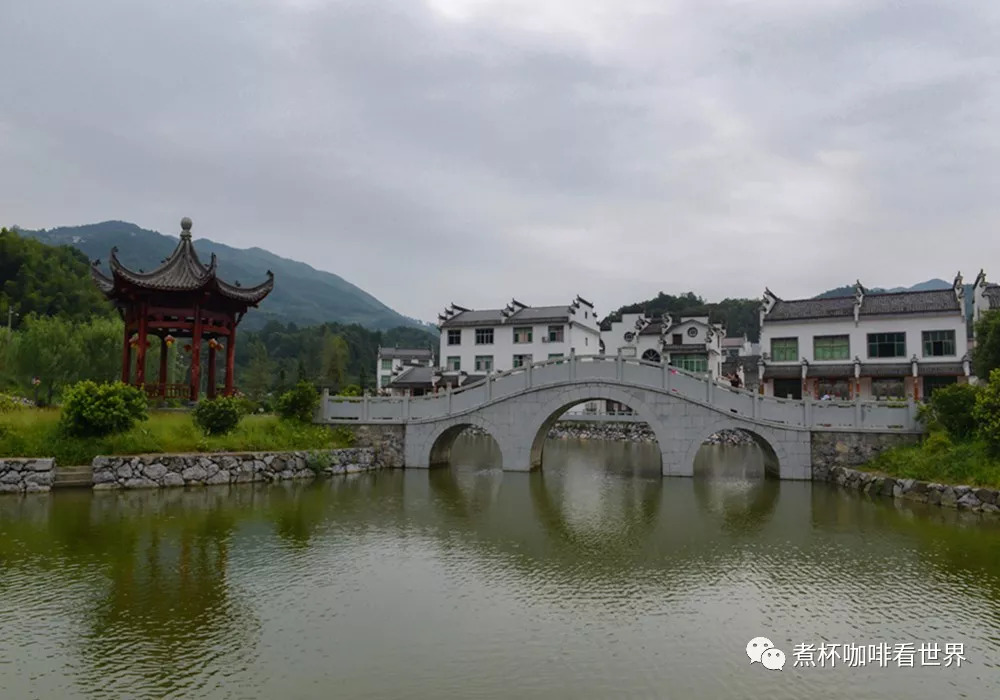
(782, 371)
(733, 342)
(831, 371)
(930, 301)
(405, 353)
(694, 348)
(527, 315)
(940, 369)
(886, 369)
(414, 377)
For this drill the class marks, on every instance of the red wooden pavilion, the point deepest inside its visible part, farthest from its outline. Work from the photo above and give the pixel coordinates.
(181, 298)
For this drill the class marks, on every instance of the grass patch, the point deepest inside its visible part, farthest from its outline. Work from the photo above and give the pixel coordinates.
(938, 459)
(36, 433)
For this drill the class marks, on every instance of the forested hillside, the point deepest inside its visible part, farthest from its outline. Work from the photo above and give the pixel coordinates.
(63, 330)
(738, 315)
(302, 294)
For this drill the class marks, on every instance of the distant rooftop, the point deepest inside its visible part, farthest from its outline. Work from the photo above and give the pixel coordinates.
(872, 304)
(513, 314)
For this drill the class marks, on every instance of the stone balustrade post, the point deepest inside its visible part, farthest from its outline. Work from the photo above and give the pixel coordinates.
(709, 389)
(528, 375)
(666, 376)
(807, 411)
(365, 409)
(406, 407)
(619, 366)
(754, 405)
(489, 387)
(449, 395)
(857, 411)
(572, 363)
(324, 409)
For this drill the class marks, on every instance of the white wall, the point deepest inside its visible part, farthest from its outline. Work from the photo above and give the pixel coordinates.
(913, 325)
(584, 339)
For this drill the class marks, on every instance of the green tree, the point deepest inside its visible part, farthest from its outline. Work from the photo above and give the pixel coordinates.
(336, 354)
(256, 380)
(987, 412)
(986, 356)
(100, 340)
(49, 348)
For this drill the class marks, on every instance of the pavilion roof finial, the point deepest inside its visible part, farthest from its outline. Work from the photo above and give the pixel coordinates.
(186, 227)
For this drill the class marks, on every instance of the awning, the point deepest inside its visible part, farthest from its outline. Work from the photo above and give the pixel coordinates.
(940, 369)
(887, 370)
(782, 372)
(831, 371)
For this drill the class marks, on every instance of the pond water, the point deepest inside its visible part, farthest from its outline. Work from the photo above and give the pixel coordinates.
(593, 578)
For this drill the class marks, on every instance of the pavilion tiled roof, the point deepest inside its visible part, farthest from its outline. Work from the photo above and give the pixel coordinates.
(183, 271)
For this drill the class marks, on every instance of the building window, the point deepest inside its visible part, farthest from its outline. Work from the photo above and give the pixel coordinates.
(555, 334)
(652, 356)
(692, 332)
(484, 363)
(678, 339)
(888, 389)
(832, 388)
(484, 336)
(586, 340)
(939, 343)
(689, 362)
(555, 356)
(522, 335)
(784, 349)
(454, 363)
(455, 337)
(521, 360)
(932, 384)
(887, 345)
(832, 347)
(384, 380)
(387, 364)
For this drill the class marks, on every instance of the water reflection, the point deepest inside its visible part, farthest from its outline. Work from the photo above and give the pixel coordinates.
(595, 577)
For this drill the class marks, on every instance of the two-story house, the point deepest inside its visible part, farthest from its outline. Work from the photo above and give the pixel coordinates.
(691, 343)
(391, 362)
(882, 346)
(495, 340)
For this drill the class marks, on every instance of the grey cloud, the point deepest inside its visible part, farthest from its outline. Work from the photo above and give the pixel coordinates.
(711, 146)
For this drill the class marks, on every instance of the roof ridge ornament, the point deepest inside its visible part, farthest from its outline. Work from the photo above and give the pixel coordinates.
(186, 228)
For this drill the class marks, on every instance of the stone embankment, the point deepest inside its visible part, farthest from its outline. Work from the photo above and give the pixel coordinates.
(962, 497)
(25, 475)
(623, 431)
(160, 470)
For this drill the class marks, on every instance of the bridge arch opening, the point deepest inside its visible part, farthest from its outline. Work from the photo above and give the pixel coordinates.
(736, 453)
(466, 444)
(619, 419)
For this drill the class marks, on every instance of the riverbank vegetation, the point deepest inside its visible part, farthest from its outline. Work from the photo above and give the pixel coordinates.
(35, 432)
(962, 446)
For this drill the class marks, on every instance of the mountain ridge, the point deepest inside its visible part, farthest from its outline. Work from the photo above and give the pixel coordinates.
(302, 294)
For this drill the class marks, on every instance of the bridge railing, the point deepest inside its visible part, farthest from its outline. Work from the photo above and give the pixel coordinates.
(628, 371)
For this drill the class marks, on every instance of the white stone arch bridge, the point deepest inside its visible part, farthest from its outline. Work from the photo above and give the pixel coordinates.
(518, 407)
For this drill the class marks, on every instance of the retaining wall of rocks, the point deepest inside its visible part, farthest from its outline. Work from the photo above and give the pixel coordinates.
(26, 475)
(385, 440)
(162, 470)
(961, 497)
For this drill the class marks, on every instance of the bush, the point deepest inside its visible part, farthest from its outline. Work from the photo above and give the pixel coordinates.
(953, 408)
(937, 444)
(300, 403)
(94, 410)
(351, 390)
(987, 412)
(10, 403)
(218, 416)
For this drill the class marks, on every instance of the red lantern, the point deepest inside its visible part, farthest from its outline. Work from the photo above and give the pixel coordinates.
(187, 347)
(169, 340)
(134, 340)
(213, 343)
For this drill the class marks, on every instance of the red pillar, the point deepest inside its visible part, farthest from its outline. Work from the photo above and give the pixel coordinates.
(126, 358)
(163, 367)
(196, 354)
(230, 358)
(140, 355)
(211, 371)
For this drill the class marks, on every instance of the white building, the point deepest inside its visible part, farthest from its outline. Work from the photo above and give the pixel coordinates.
(985, 297)
(392, 361)
(736, 346)
(897, 345)
(495, 340)
(691, 343)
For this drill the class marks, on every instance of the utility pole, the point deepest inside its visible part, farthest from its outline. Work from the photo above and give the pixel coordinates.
(10, 317)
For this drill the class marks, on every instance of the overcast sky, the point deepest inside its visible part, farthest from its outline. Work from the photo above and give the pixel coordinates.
(472, 151)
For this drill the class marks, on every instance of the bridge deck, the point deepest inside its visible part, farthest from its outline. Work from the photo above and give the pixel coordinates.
(576, 369)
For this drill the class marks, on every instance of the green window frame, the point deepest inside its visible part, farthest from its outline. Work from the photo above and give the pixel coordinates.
(832, 347)
(887, 345)
(523, 335)
(939, 343)
(484, 363)
(689, 362)
(556, 334)
(387, 364)
(454, 363)
(784, 349)
(455, 337)
(521, 361)
(385, 379)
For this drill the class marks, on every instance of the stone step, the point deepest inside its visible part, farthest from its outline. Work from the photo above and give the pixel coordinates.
(73, 476)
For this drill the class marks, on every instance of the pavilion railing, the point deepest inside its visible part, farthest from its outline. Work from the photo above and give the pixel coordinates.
(168, 391)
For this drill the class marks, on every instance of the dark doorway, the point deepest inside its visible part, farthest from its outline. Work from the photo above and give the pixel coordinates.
(783, 388)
